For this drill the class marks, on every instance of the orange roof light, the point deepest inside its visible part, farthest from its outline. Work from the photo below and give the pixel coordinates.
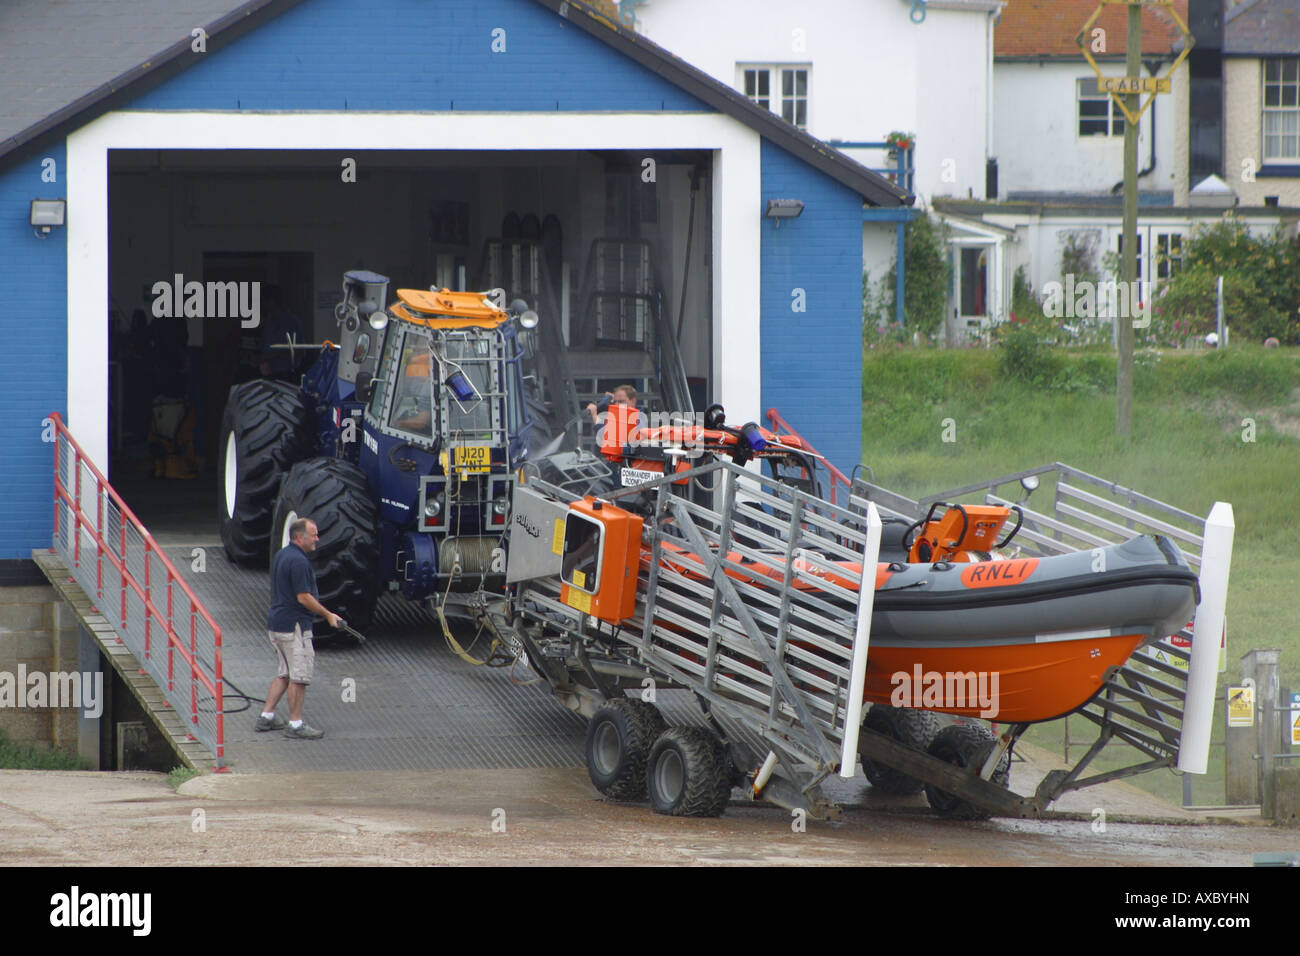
(448, 309)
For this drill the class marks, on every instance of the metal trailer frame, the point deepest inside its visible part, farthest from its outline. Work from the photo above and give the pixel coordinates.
(1145, 703)
(777, 667)
(777, 671)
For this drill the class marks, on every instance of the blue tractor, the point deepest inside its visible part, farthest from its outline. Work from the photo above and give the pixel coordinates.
(402, 444)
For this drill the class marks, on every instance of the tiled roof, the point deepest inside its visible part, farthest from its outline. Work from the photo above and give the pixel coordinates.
(1270, 27)
(55, 55)
(1047, 28)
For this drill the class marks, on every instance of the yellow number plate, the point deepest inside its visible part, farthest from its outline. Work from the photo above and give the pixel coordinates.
(473, 458)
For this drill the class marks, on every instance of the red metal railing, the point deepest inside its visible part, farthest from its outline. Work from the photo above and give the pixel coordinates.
(137, 629)
(837, 477)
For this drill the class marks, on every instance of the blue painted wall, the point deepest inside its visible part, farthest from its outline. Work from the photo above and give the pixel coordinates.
(419, 55)
(34, 329)
(812, 359)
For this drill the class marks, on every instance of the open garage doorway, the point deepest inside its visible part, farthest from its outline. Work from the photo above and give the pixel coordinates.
(612, 247)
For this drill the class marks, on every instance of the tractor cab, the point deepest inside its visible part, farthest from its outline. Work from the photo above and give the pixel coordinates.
(443, 430)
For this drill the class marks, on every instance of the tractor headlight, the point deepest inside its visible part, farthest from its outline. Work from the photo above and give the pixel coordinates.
(499, 506)
(378, 319)
(432, 508)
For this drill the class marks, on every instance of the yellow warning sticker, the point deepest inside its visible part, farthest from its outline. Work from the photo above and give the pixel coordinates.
(1295, 726)
(579, 579)
(557, 537)
(1241, 706)
(579, 599)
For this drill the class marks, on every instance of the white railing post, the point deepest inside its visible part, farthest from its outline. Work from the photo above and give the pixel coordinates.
(1207, 631)
(861, 640)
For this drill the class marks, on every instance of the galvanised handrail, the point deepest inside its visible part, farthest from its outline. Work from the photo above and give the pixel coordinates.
(202, 678)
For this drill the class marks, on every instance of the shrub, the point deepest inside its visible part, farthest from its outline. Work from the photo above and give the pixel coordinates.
(1191, 299)
(19, 756)
(1024, 356)
(927, 274)
(1261, 283)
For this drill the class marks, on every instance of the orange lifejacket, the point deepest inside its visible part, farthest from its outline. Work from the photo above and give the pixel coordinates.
(620, 422)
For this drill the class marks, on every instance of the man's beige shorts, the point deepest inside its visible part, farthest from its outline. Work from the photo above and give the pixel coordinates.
(296, 655)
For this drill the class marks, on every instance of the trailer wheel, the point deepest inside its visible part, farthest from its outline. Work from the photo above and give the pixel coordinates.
(965, 745)
(334, 494)
(913, 728)
(619, 739)
(688, 774)
(264, 431)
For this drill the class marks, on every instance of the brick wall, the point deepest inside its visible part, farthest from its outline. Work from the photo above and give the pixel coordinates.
(812, 359)
(35, 631)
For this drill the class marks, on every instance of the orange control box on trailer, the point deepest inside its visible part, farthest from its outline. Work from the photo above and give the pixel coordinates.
(601, 554)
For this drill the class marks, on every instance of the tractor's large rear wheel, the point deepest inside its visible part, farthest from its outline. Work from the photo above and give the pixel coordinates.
(264, 431)
(334, 494)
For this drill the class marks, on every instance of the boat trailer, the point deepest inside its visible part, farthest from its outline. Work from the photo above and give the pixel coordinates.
(744, 592)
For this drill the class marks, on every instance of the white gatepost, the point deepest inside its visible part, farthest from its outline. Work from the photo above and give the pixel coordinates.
(1207, 632)
(861, 641)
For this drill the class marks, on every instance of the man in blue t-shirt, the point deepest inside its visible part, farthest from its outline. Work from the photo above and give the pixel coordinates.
(294, 605)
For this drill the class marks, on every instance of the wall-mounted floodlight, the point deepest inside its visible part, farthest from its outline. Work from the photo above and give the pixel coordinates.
(779, 209)
(46, 214)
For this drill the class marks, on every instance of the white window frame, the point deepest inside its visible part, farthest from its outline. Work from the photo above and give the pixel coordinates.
(1114, 117)
(1286, 87)
(1141, 257)
(1164, 260)
(776, 99)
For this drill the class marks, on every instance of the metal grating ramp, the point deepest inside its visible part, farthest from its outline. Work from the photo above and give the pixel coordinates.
(417, 706)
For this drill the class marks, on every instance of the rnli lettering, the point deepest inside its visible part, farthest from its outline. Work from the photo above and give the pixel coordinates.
(987, 574)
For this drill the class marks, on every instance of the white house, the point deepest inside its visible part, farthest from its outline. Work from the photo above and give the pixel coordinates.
(852, 73)
(1059, 142)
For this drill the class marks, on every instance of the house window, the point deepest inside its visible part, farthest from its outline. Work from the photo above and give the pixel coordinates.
(1099, 114)
(1169, 254)
(1119, 249)
(1281, 120)
(758, 86)
(781, 89)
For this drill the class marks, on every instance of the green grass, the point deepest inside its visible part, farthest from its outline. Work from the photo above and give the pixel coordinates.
(179, 775)
(16, 756)
(1186, 448)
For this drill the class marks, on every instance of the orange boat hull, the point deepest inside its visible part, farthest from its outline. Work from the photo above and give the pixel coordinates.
(1033, 682)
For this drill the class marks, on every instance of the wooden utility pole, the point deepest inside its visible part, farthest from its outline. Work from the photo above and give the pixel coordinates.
(1132, 85)
(1128, 244)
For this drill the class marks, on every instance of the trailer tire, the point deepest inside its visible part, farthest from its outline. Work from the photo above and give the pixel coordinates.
(620, 737)
(912, 728)
(264, 432)
(688, 774)
(334, 494)
(965, 745)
